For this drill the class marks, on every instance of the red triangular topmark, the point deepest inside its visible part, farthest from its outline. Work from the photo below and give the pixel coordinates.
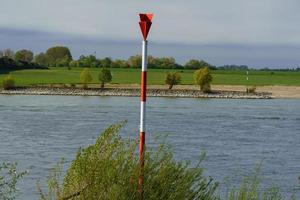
(145, 28)
(145, 24)
(146, 17)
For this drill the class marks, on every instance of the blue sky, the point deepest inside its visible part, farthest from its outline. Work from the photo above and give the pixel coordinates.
(259, 33)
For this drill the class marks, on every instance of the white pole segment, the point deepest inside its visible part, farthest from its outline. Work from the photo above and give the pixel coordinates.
(143, 115)
(144, 56)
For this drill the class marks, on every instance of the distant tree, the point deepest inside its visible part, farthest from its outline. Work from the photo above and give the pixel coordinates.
(1, 54)
(8, 82)
(203, 78)
(73, 63)
(106, 62)
(172, 79)
(135, 61)
(24, 55)
(88, 61)
(8, 53)
(119, 64)
(63, 62)
(163, 63)
(85, 77)
(104, 76)
(234, 67)
(56, 54)
(196, 64)
(41, 59)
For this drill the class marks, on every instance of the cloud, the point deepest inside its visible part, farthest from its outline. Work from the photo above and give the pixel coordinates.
(258, 56)
(257, 33)
(176, 21)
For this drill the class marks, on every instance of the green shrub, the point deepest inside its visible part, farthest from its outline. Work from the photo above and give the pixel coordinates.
(109, 169)
(172, 79)
(250, 190)
(8, 82)
(104, 76)
(85, 77)
(251, 90)
(203, 78)
(9, 177)
(73, 85)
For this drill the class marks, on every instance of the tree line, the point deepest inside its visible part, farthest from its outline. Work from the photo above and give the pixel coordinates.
(60, 56)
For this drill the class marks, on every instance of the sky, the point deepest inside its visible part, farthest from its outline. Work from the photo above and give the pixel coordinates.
(258, 33)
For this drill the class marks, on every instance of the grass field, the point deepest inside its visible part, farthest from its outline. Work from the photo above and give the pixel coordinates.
(155, 77)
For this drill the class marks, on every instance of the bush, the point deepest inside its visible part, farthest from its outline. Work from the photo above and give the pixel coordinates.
(73, 85)
(203, 78)
(109, 169)
(85, 77)
(104, 76)
(251, 90)
(250, 190)
(8, 82)
(9, 177)
(173, 79)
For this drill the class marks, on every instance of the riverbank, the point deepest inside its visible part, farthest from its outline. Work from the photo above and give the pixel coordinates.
(134, 91)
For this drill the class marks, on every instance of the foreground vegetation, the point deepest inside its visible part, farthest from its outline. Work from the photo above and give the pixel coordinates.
(155, 76)
(109, 170)
(9, 176)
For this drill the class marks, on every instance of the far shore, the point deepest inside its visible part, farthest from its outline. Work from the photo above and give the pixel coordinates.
(180, 91)
(183, 91)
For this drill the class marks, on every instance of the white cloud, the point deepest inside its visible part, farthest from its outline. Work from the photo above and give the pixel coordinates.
(176, 21)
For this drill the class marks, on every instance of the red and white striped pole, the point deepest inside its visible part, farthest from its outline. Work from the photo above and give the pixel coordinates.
(143, 100)
(145, 25)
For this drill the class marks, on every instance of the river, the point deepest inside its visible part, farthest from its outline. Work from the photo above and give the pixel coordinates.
(236, 135)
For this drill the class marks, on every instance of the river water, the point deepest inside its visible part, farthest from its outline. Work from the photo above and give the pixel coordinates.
(236, 135)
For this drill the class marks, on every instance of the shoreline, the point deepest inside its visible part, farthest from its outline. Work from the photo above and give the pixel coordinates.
(134, 92)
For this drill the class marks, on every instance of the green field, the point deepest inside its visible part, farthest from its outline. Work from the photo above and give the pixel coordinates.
(155, 76)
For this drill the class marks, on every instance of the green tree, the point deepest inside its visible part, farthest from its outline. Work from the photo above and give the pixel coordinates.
(73, 63)
(63, 62)
(88, 61)
(196, 64)
(203, 78)
(119, 64)
(41, 59)
(8, 53)
(172, 79)
(56, 54)
(135, 61)
(163, 63)
(8, 82)
(24, 55)
(104, 76)
(85, 77)
(106, 62)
